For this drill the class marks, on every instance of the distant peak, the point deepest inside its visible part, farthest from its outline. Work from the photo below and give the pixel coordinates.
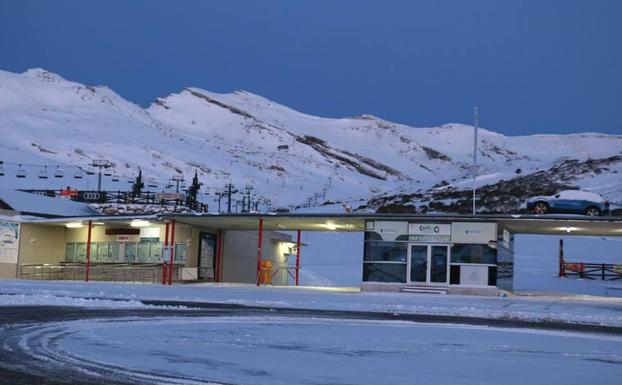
(43, 74)
(366, 117)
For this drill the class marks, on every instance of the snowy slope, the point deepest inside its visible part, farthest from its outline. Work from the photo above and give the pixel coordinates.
(291, 157)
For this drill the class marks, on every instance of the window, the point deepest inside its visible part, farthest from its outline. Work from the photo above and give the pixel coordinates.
(81, 252)
(379, 251)
(385, 261)
(131, 251)
(463, 253)
(155, 252)
(103, 252)
(384, 272)
(180, 252)
(143, 252)
(70, 252)
(135, 252)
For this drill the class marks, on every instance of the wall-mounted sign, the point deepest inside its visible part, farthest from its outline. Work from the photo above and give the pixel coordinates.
(506, 239)
(170, 196)
(429, 232)
(9, 241)
(123, 231)
(474, 232)
(92, 196)
(150, 233)
(390, 230)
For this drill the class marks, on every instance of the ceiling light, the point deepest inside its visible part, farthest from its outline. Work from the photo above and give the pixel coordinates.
(139, 223)
(331, 226)
(74, 225)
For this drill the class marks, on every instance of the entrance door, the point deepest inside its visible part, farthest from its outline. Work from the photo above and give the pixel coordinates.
(428, 264)
(207, 256)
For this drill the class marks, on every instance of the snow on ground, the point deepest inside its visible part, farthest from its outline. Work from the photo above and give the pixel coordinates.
(581, 309)
(285, 350)
(52, 299)
(247, 350)
(536, 264)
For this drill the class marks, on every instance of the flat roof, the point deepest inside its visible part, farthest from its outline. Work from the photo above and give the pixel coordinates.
(518, 224)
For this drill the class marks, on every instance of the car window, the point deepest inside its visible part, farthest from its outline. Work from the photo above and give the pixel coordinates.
(577, 195)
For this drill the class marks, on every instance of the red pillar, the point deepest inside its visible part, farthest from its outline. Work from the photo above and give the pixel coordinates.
(88, 251)
(218, 267)
(171, 264)
(164, 256)
(259, 242)
(297, 257)
(562, 267)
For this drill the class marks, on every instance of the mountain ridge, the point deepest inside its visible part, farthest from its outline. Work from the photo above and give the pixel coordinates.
(289, 156)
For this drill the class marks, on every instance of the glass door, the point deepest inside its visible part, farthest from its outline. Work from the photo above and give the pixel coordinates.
(207, 256)
(428, 264)
(438, 263)
(418, 263)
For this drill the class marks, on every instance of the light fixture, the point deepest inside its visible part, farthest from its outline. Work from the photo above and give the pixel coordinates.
(330, 226)
(139, 223)
(74, 225)
(569, 229)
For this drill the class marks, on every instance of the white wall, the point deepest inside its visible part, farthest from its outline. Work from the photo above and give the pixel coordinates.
(239, 256)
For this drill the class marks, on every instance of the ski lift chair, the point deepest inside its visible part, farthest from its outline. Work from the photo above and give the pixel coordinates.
(58, 173)
(43, 174)
(21, 173)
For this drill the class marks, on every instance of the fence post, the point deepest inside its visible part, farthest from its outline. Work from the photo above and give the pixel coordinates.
(602, 274)
(562, 268)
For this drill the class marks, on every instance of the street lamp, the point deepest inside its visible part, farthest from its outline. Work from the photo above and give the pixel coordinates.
(475, 127)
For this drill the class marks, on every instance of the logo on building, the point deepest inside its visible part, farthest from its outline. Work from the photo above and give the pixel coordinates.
(429, 232)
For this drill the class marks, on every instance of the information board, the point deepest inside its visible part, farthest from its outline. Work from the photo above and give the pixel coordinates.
(9, 241)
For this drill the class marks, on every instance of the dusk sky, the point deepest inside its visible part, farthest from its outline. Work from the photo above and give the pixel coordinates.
(530, 66)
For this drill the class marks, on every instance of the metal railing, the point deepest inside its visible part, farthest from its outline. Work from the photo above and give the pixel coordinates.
(114, 272)
(601, 271)
(125, 197)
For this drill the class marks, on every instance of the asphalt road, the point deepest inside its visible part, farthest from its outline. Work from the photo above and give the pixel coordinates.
(29, 353)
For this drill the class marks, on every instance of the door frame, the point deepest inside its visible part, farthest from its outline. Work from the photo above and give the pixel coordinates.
(206, 234)
(428, 273)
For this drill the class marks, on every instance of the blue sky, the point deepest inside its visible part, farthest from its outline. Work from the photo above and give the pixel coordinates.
(530, 66)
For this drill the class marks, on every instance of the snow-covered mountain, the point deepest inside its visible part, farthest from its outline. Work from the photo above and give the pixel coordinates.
(288, 156)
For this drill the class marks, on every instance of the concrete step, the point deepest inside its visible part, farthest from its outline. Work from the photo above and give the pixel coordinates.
(425, 289)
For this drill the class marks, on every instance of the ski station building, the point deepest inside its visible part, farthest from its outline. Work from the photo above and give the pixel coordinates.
(425, 253)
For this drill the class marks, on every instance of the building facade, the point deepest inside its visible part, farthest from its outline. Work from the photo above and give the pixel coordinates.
(460, 257)
(57, 249)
